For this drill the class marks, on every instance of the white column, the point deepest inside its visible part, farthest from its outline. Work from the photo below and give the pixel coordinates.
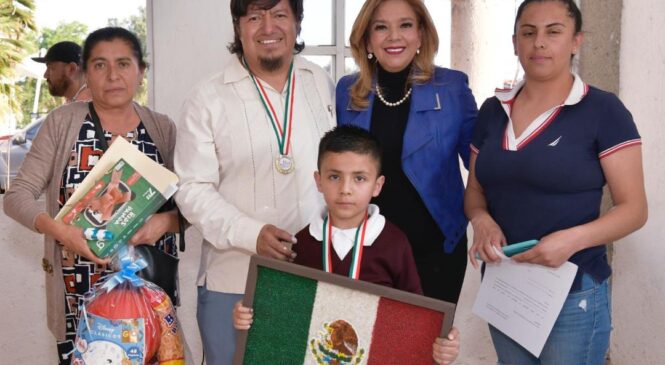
(638, 260)
(482, 43)
(188, 43)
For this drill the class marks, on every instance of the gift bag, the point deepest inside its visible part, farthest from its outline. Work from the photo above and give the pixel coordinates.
(128, 321)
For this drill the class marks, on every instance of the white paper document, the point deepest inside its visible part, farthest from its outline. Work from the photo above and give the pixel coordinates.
(523, 300)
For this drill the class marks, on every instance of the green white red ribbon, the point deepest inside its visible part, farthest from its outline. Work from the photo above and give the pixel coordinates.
(354, 269)
(283, 130)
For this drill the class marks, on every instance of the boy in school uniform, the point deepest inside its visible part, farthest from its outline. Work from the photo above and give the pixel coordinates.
(351, 237)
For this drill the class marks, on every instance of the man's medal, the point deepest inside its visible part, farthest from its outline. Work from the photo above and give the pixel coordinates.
(284, 162)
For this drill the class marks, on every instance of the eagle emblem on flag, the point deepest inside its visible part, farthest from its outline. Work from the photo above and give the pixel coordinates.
(337, 344)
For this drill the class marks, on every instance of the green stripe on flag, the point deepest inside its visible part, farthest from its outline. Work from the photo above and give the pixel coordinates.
(282, 311)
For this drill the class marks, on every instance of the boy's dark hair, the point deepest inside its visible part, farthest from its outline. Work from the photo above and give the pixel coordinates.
(573, 12)
(347, 138)
(109, 34)
(239, 9)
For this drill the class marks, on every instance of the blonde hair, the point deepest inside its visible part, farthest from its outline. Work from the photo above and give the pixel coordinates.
(423, 63)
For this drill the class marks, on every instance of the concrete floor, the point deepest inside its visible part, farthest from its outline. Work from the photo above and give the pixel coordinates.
(26, 340)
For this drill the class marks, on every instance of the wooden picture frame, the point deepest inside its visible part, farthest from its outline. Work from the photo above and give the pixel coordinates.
(269, 280)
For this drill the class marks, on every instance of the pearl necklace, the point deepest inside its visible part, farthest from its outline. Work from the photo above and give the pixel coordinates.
(398, 102)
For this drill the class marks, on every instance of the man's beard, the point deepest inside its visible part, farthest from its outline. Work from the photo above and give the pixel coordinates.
(59, 87)
(271, 64)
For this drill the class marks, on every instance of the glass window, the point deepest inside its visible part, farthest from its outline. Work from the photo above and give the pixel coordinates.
(317, 23)
(325, 62)
(350, 65)
(440, 11)
(351, 10)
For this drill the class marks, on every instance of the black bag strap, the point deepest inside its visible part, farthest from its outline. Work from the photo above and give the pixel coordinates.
(182, 226)
(99, 133)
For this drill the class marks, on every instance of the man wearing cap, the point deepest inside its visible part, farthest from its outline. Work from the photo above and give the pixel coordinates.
(63, 72)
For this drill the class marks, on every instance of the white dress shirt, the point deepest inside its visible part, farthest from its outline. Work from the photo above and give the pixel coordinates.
(225, 154)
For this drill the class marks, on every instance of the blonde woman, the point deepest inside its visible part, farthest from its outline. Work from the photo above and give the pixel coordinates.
(423, 116)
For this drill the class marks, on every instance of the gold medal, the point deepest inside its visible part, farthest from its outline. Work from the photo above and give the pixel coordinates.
(284, 164)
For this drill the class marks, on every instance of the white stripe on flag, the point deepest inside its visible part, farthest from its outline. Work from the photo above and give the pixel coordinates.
(360, 312)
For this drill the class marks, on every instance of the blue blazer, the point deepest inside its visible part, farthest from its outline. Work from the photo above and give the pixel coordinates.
(441, 120)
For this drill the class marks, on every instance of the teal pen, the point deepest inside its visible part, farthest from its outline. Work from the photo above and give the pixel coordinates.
(97, 234)
(515, 248)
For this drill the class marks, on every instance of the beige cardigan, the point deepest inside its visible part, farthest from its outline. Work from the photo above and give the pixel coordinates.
(42, 171)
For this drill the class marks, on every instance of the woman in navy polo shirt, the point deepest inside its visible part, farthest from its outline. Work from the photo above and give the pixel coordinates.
(542, 153)
(423, 116)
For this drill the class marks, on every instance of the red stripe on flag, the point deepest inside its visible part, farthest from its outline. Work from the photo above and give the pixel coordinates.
(403, 334)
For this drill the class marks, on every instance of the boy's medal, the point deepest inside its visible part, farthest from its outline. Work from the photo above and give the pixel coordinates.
(283, 163)
(354, 269)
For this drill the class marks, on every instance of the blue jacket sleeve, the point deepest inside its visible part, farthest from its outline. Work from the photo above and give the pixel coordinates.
(469, 112)
(343, 97)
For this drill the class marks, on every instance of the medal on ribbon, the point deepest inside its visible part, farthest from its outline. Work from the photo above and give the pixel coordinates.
(356, 259)
(284, 162)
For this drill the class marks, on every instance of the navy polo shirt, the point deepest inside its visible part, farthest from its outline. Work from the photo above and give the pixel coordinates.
(550, 177)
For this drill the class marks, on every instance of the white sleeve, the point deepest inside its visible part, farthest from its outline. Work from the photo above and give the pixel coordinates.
(196, 163)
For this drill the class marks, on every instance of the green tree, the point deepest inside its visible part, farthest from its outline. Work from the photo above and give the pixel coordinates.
(64, 31)
(135, 24)
(16, 19)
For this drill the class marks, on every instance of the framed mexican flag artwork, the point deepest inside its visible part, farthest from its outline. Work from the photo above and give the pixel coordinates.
(307, 316)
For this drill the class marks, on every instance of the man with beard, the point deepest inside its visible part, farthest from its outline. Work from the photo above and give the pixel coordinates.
(245, 154)
(63, 72)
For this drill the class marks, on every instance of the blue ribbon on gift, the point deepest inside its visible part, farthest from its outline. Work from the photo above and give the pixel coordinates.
(127, 273)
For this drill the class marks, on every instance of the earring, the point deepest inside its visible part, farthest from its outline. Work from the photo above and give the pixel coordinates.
(418, 51)
(370, 55)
